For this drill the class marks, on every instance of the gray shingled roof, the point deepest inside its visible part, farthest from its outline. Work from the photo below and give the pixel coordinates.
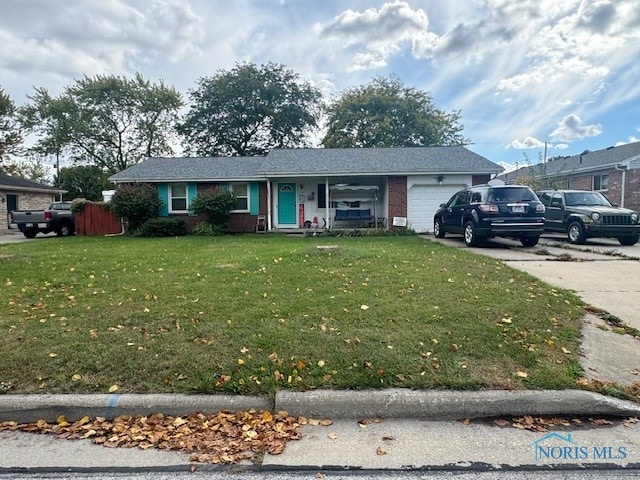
(375, 161)
(158, 169)
(8, 182)
(308, 162)
(589, 161)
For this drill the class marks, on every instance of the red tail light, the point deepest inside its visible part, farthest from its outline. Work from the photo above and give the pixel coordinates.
(48, 216)
(489, 208)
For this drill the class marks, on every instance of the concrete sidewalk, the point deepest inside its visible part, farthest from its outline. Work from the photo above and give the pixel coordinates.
(404, 430)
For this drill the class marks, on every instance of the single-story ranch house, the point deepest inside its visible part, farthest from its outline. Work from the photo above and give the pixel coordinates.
(614, 171)
(21, 194)
(331, 188)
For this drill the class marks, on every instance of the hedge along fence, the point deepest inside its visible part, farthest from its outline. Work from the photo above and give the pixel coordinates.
(94, 219)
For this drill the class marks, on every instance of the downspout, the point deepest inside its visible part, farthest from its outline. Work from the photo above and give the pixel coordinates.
(623, 169)
(327, 203)
(269, 223)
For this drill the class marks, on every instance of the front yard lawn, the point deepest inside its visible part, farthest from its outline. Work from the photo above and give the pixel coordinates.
(251, 314)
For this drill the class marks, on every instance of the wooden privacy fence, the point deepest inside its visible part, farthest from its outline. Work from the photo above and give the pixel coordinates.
(95, 220)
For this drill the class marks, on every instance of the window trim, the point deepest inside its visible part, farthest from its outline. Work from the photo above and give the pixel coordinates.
(247, 196)
(172, 197)
(600, 176)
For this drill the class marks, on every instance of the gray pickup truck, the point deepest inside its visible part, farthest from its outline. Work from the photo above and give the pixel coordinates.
(57, 218)
(583, 214)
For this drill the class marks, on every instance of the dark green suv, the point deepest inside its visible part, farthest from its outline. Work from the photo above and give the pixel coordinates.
(485, 211)
(583, 214)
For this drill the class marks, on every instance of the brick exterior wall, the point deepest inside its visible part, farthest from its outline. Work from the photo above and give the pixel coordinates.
(26, 201)
(239, 222)
(614, 193)
(397, 188)
(480, 179)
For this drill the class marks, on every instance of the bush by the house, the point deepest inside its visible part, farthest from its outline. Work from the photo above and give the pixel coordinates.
(216, 205)
(203, 229)
(137, 203)
(163, 227)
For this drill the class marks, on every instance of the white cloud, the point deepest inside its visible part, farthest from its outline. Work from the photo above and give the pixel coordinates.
(95, 36)
(380, 32)
(632, 139)
(527, 143)
(571, 128)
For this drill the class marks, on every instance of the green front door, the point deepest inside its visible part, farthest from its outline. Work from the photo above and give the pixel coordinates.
(287, 204)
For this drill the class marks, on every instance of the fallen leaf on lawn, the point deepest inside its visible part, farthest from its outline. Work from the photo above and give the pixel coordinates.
(380, 451)
(522, 374)
(564, 350)
(53, 355)
(113, 388)
(364, 307)
(506, 320)
(76, 377)
(321, 363)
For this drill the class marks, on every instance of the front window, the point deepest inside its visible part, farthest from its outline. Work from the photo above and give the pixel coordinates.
(601, 182)
(178, 197)
(241, 192)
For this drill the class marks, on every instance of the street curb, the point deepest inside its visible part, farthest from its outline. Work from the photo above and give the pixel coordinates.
(335, 404)
(30, 408)
(450, 405)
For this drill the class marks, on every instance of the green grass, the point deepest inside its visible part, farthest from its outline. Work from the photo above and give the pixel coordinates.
(252, 314)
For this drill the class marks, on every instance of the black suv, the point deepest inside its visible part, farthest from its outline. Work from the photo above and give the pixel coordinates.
(484, 211)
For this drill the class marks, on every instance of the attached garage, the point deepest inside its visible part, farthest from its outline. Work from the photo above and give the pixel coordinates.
(424, 199)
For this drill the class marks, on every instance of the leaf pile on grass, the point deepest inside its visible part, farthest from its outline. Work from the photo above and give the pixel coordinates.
(221, 438)
(258, 313)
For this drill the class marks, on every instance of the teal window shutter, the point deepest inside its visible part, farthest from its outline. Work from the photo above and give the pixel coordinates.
(254, 198)
(163, 195)
(192, 193)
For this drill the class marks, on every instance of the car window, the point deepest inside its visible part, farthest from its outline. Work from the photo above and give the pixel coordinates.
(511, 195)
(556, 200)
(545, 198)
(476, 196)
(459, 198)
(587, 199)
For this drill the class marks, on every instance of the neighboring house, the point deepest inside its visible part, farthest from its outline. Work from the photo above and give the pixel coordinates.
(292, 186)
(614, 171)
(20, 194)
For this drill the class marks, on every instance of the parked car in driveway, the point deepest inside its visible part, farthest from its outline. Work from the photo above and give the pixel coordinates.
(57, 218)
(583, 214)
(484, 211)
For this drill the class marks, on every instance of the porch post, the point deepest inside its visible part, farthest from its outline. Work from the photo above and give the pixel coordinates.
(327, 203)
(269, 224)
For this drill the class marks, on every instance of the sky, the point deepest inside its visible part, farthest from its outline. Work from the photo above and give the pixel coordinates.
(522, 73)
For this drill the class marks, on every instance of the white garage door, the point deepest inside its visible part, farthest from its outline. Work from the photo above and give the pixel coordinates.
(423, 201)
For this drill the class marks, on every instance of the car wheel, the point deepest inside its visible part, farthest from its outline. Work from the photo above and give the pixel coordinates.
(629, 239)
(470, 237)
(65, 230)
(30, 233)
(575, 233)
(529, 241)
(438, 231)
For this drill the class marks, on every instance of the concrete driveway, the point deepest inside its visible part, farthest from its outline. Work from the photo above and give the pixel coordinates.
(603, 274)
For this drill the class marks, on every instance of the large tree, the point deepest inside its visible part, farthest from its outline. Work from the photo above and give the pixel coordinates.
(10, 135)
(386, 113)
(108, 121)
(250, 110)
(84, 181)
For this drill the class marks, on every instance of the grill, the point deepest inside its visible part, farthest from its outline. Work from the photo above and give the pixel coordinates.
(616, 219)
